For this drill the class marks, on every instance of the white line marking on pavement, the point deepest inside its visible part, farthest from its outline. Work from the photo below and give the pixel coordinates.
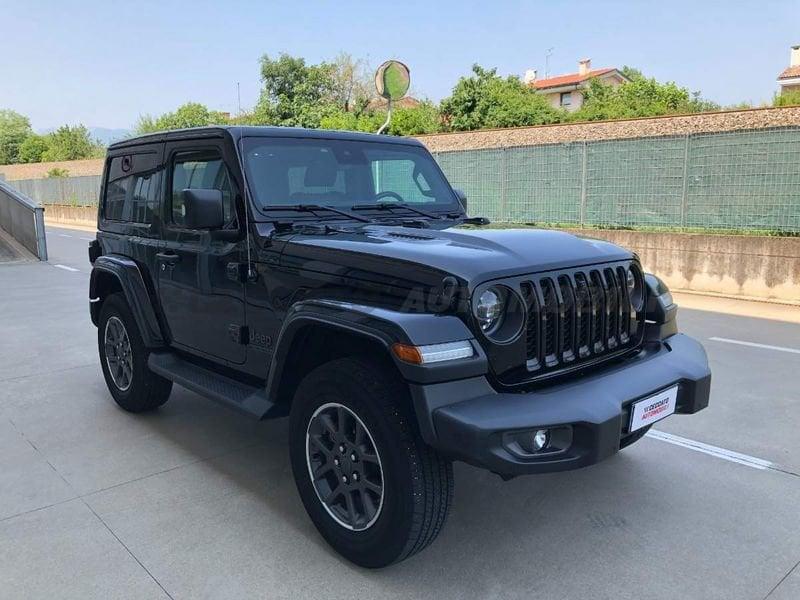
(729, 455)
(754, 345)
(87, 239)
(66, 268)
(64, 235)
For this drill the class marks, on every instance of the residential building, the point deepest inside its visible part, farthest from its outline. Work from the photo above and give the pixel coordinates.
(566, 91)
(789, 80)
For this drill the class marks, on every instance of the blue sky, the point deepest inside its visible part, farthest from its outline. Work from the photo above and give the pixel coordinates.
(104, 63)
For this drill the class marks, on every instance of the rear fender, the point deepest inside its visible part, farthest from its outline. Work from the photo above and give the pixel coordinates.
(113, 272)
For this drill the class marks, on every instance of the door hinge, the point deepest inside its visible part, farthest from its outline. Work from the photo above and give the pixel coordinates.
(240, 334)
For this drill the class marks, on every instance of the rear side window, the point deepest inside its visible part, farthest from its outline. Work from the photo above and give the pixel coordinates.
(200, 170)
(132, 189)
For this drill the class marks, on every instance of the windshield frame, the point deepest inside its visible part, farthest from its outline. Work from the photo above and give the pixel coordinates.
(278, 211)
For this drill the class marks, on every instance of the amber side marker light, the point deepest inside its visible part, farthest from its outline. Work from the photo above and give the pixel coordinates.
(433, 353)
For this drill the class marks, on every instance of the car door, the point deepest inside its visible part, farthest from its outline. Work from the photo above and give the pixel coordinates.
(202, 297)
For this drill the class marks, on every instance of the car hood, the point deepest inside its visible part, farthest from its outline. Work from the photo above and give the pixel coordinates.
(474, 255)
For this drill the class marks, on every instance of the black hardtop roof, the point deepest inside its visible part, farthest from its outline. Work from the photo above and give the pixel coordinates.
(237, 132)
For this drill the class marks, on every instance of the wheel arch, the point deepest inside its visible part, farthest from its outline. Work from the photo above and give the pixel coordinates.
(112, 274)
(316, 331)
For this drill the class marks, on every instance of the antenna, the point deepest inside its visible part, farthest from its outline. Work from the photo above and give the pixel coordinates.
(239, 98)
(547, 54)
(245, 192)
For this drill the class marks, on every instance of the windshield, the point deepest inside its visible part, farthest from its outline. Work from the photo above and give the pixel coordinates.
(342, 173)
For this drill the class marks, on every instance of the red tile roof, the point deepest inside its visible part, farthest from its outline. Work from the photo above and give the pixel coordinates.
(570, 79)
(790, 72)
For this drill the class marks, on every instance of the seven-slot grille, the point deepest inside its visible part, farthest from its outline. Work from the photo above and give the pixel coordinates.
(579, 316)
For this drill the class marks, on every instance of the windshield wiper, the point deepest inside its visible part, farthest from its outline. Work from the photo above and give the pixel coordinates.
(473, 220)
(317, 207)
(391, 205)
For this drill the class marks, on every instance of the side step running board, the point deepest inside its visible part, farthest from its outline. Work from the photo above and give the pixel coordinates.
(249, 399)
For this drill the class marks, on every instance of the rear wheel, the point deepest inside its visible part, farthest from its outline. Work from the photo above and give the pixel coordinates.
(375, 491)
(123, 357)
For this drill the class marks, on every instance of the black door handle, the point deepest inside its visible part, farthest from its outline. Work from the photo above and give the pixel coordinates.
(169, 258)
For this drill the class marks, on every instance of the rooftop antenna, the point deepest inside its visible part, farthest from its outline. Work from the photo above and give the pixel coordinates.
(239, 98)
(547, 54)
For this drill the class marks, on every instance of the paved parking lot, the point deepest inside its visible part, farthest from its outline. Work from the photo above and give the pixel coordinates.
(195, 501)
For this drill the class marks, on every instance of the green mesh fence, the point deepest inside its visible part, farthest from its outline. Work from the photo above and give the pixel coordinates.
(743, 180)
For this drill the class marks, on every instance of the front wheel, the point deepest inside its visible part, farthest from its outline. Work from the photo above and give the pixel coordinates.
(375, 491)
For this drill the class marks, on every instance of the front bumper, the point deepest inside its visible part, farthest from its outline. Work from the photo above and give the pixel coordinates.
(468, 420)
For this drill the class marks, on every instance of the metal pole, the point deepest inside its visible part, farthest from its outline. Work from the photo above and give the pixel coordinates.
(685, 190)
(503, 184)
(388, 116)
(41, 240)
(584, 174)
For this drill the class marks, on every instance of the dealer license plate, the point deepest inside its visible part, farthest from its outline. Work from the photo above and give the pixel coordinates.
(653, 408)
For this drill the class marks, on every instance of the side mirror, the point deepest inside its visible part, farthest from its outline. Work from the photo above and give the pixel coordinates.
(462, 198)
(203, 209)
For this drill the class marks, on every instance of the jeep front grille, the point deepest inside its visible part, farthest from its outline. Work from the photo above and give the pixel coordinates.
(579, 317)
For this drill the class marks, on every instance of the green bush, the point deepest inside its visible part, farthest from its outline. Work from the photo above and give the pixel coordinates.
(788, 98)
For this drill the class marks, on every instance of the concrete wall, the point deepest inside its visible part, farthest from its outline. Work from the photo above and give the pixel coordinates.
(760, 267)
(764, 268)
(83, 216)
(732, 120)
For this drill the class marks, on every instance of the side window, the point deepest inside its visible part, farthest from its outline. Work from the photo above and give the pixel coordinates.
(132, 197)
(200, 170)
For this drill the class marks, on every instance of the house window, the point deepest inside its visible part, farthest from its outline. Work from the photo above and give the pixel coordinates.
(566, 99)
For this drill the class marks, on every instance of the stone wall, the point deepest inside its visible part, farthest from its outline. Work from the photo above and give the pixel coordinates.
(758, 118)
(75, 168)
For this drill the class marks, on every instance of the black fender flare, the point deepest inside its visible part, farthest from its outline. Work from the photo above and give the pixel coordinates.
(130, 279)
(384, 327)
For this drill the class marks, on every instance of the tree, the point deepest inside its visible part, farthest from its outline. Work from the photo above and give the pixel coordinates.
(641, 97)
(631, 73)
(789, 98)
(71, 143)
(485, 99)
(417, 120)
(33, 148)
(14, 128)
(351, 83)
(294, 93)
(368, 122)
(191, 114)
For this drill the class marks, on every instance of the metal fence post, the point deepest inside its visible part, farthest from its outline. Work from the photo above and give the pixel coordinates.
(41, 240)
(503, 184)
(584, 175)
(685, 190)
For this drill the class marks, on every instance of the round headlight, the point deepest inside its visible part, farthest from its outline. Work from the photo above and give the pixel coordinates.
(500, 313)
(489, 309)
(633, 281)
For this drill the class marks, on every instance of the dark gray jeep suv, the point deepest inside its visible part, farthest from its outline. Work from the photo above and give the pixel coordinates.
(336, 278)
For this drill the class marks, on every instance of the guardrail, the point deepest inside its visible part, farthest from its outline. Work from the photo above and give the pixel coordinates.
(23, 219)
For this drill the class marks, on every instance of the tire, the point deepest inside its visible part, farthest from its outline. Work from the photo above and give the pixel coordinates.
(633, 437)
(134, 387)
(416, 482)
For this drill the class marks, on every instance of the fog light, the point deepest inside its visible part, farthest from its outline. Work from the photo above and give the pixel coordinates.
(540, 439)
